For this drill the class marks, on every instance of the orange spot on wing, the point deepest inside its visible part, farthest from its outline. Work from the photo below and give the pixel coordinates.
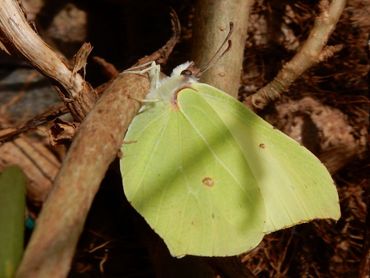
(130, 142)
(207, 181)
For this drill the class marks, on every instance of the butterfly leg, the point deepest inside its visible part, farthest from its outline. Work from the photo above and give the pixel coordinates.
(140, 69)
(153, 100)
(152, 69)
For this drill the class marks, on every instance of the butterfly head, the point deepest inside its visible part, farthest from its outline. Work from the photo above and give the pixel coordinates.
(187, 70)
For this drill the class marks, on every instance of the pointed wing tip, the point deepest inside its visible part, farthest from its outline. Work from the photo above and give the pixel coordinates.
(336, 215)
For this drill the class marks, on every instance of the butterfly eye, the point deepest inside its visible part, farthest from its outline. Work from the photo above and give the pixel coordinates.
(187, 72)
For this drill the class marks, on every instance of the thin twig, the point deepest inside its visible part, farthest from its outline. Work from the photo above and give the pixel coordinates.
(312, 52)
(19, 38)
(108, 69)
(41, 119)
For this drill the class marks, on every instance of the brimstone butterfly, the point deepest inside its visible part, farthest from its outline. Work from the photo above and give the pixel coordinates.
(211, 177)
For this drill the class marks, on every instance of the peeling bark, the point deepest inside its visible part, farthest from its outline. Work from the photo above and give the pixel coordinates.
(20, 39)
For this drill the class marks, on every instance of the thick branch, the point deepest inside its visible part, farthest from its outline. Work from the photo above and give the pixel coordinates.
(53, 242)
(19, 38)
(211, 25)
(313, 51)
(51, 248)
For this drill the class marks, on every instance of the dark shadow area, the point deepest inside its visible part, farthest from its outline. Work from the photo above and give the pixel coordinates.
(111, 242)
(121, 32)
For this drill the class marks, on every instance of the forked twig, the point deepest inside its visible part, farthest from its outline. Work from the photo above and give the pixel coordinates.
(19, 38)
(313, 51)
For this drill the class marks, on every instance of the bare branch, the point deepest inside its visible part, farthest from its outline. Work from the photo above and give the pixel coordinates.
(108, 69)
(51, 248)
(312, 52)
(19, 38)
(52, 245)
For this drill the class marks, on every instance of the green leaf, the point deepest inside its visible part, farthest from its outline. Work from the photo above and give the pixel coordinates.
(12, 211)
(212, 178)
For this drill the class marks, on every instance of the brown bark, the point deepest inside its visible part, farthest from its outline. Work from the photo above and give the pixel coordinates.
(211, 25)
(50, 250)
(19, 38)
(60, 223)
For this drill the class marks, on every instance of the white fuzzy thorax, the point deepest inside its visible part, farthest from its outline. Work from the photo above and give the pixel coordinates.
(164, 89)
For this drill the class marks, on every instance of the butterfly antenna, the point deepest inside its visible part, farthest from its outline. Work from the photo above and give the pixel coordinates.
(217, 56)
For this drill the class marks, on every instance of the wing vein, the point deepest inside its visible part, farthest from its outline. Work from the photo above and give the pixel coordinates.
(150, 157)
